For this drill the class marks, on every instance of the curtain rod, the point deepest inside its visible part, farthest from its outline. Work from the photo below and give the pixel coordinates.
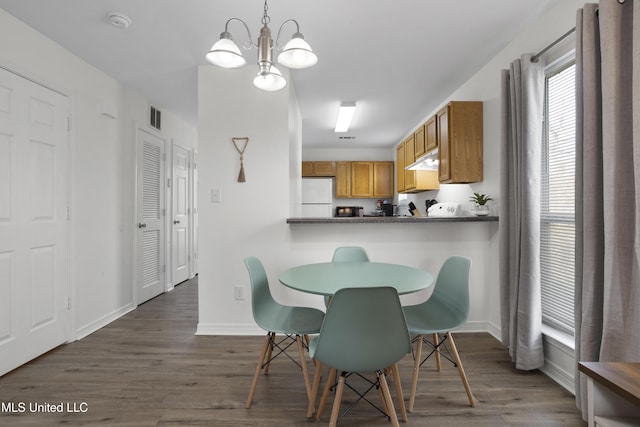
(535, 57)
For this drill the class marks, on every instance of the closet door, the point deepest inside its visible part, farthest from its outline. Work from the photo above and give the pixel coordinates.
(151, 213)
(34, 258)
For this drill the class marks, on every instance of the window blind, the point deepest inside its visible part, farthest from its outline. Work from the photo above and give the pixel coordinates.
(557, 228)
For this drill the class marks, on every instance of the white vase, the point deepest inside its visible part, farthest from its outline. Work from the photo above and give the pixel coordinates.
(481, 210)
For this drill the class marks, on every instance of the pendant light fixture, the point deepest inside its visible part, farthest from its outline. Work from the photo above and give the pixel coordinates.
(295, 54)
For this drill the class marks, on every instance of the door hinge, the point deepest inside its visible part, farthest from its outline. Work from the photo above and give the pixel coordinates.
(68, 123)
(68, 213)
(164, 268)
(68, 303)
(168, 182)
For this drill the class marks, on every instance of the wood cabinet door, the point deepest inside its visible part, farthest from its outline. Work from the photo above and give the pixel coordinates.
(343, 179)
(409, 157)
(307, 168)
(443, 145)
(419, 142)
(431, 138)
(319, 168)
(400, 168)
(362, 179)
(324, 168)
(383, 179)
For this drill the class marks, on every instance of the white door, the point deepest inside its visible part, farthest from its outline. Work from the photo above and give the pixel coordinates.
(150, 216)
(34, 275)
(181, 213)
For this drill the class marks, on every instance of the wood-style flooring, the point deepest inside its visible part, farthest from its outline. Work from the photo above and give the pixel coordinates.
(149, 369)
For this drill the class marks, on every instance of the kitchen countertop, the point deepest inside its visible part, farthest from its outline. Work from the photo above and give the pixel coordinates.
(391, 219)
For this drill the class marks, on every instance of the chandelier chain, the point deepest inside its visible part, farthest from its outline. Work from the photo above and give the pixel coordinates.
(266, 19)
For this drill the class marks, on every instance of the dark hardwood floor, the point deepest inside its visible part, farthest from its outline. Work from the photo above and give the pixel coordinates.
(149, 369)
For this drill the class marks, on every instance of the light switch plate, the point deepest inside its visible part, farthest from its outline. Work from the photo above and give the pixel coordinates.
(216, 195)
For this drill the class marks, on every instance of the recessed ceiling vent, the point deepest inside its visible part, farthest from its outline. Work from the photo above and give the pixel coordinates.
(346, 137)
(155, 118)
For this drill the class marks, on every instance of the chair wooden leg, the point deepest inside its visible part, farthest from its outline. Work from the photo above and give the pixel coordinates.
(416, 370)
(436, 341)
(391, 410)
(335, 410)
(273, 340)
(463, 376)
(314, 389)
(399, 394)
(263, 352)
(303, 364)
(325, 393)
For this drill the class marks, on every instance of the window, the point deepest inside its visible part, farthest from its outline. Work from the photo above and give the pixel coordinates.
(557, 216)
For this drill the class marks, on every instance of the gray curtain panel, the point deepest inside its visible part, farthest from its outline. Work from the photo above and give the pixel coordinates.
(522, 107)
(607, 185)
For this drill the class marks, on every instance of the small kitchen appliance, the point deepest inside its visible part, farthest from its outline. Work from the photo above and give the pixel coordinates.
(342, 211)
(445, 209)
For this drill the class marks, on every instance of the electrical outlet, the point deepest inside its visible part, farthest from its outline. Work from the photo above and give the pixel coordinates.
(239, 292)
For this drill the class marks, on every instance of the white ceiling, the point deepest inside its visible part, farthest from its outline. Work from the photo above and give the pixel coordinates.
(398, 59)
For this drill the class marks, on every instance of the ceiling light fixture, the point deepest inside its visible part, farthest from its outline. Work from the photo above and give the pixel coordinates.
(345, 115)
(295, 54)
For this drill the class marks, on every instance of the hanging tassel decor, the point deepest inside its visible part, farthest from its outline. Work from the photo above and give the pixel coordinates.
(241, 152)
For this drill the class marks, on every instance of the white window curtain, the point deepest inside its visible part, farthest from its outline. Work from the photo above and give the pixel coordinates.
(522, 109)
(607, 185)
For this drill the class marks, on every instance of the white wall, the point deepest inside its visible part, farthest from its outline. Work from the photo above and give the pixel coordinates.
(232, 232)
(250, 218)
(102, 169)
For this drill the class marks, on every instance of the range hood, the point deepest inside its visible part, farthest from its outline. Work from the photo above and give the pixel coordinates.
(428, 162)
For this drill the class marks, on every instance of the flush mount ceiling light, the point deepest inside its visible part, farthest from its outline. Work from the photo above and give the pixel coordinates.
(119, 20)
(345, 115)
(295, 54)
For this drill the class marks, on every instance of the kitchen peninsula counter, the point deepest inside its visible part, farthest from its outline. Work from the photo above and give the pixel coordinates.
(391, 219)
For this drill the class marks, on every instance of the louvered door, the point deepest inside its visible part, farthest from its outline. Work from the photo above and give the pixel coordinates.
(151, 216)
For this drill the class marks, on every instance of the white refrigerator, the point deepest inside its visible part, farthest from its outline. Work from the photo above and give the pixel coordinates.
(317, 197)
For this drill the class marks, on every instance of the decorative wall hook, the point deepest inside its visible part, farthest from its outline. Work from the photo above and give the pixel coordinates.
(241, 152)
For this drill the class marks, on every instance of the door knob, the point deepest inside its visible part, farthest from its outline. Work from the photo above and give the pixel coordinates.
(142, 225)
(176, 222)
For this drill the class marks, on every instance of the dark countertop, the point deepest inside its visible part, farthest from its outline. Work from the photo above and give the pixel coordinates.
(390, 220)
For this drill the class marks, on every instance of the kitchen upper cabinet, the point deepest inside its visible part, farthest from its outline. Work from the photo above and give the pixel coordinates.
(409, 181)
(319, 168)
(364, 179)
(343, 179)
(400, 168)
(419, 142)
(382, 179)
(459, 138)
(409, 157)
(430, 135)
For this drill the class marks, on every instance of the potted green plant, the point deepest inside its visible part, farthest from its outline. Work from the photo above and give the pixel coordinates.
(480, 204)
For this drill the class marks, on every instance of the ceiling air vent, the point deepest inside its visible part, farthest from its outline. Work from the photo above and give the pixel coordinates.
(155, 118)
(346, 137)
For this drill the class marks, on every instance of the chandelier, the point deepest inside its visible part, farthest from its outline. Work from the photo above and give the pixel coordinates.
(295, 54)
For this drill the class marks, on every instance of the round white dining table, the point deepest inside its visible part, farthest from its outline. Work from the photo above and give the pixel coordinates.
(327, 278)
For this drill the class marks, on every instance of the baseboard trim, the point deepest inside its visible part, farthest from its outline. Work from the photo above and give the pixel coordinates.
(228, 329)
(558, 361)
(103, 321)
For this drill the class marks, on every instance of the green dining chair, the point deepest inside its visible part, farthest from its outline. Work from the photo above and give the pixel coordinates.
(295, 323)
(364, 330)
(444, 311)
(347, 254)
